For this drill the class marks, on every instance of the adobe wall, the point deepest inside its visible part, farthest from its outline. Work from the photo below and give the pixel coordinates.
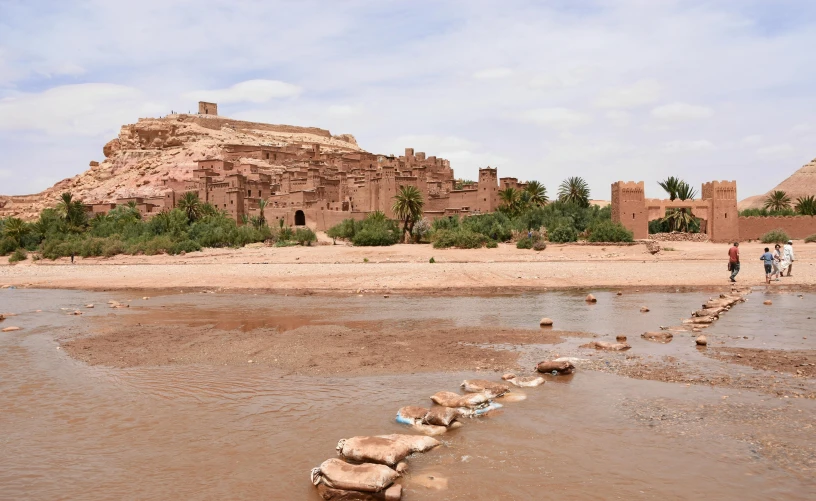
(723, 221)
(752, 228)
(629, 207)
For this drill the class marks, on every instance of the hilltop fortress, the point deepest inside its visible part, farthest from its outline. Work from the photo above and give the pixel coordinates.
(306, 175)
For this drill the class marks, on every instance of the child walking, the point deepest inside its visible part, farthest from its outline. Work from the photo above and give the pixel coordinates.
(768, 259)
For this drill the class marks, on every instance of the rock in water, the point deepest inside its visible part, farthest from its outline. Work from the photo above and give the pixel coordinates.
(701, 341)
(591, 299)
(659, 336)
(644, 309)
(620, 339)
(603, 345)
(555, 368)
(767, 302)
(10, 329)
(546, 322)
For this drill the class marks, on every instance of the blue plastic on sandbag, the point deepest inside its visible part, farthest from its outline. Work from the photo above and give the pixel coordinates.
(491, 406)
(404, 420)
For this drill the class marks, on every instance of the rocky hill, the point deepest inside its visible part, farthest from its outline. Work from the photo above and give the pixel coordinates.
(156, 149)
(801, 183)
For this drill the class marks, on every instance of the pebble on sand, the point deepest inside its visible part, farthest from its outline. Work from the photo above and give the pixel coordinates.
(89, 306)
(620, 339)
(701, 340)
(591, 299)
(644, 309)
(546, 322)
(767, 302)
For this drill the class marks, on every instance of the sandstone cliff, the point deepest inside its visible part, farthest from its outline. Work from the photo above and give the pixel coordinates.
(156, 149)
(801, 183)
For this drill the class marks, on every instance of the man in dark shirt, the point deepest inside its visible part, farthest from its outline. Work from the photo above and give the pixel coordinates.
(733, 261)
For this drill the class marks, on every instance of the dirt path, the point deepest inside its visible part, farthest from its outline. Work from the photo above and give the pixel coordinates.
(406, 268)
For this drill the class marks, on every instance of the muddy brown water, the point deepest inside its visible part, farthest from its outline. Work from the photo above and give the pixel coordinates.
(70, 431)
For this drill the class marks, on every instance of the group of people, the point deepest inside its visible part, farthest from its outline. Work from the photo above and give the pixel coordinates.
(776, 262)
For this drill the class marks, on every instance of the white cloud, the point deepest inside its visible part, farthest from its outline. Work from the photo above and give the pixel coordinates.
(688, 146)
(546, 82)
(618, 118)
(676, 112)
(83, 109)
(343, 110)
(557, 118)
(753, 139)
(492, 73)
(801, 129)
(640, 93)
(776, 150)
(250, 91)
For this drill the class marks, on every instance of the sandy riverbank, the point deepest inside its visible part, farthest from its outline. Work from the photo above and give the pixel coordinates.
(406, 268)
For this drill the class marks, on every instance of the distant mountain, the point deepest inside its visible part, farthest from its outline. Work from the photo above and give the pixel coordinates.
(801, 183)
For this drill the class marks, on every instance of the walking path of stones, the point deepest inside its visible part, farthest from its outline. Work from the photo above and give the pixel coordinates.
(369, 466)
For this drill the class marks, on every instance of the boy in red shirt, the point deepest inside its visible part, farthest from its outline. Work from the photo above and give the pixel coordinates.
(733, 261)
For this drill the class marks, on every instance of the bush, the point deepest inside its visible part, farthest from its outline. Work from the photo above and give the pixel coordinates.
(375, 236)
(777, 236)
(461, 238)
(7, 245)
(18, 255)
(345, 230)
(492, 244)
(563, 234)
(766, 212)
(607, 231)
(539, 246)
(305, 236)
(525, 243)
(810, 239)
(432, 260)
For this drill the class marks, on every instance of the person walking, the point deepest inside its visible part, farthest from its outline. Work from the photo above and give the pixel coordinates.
(733, 261)
(788, 256)
(768, 259)
(777, 262)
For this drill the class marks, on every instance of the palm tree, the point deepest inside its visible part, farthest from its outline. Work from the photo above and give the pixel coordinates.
(15, 228)
(261, 207)
(777, 200)
(679, 219)
(671, 185)
(191, 205)
(538, 193)
(685, 191)
(574, 190)
(806, 206)
(72, 212)
(510, 201)
(408, 208)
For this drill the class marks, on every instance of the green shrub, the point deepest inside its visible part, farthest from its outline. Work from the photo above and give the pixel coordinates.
(432, 260)
(305, 236)
(539, 246)
(607, 231)
(7, 245)
(492, 244)
(563, 234)
(460, 237)
(345, 230)
(766, 212)
(810, 239)
(18, 255)
(525, 243)
(777, 236)
(374, 236)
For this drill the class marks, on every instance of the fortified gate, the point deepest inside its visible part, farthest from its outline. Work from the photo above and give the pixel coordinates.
(717, 208)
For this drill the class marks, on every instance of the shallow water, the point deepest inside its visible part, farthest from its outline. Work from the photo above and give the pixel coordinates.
(70, 431)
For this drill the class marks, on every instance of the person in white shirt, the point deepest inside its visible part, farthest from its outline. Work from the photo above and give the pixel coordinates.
(788, 256)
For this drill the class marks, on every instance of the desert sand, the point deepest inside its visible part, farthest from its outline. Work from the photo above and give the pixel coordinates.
(406, 268)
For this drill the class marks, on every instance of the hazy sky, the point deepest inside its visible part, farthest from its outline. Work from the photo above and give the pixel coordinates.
(608, 90)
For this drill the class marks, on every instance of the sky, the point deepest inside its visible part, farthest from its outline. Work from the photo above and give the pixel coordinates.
(607, 89)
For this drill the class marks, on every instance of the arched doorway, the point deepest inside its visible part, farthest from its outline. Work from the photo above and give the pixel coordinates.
(300, 218)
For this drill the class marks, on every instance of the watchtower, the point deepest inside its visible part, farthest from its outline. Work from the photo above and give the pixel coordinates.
(629, 207)
(205, 108)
